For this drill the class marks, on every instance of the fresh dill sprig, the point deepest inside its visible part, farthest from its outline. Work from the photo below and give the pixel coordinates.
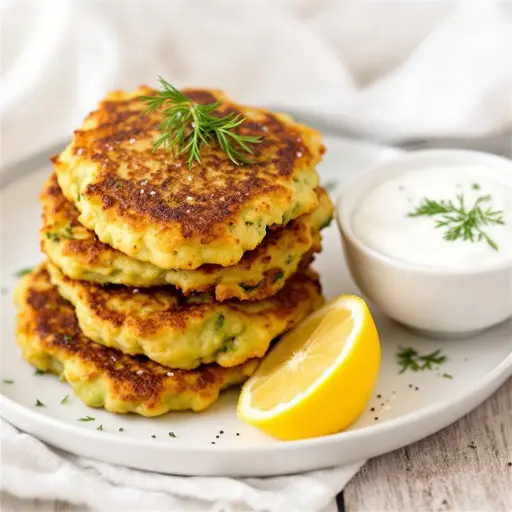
(461, 223)
(65, 399)
(187, 126)
(39, 403)
(409, 358)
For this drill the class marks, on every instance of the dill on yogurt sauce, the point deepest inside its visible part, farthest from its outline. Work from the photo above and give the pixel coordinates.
(445, 217)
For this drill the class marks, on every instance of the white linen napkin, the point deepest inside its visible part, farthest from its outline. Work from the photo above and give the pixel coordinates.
(30, 469)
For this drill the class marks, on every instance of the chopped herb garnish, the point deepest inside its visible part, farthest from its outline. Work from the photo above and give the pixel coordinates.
(459, 222)
(67, 337)
(447, 376)
(410, 359)
(219, 321)
(172, 434)
(153, 436)
(118, 185)
(86, 418)
(249, 287)
(187, 126)
(39, 403)
(100, 427)
(23, 271)
(39, 372)
(278, 276)
(65, 233)
(8, 381)
(476, 186)
(65, 399)
(121, 429)
(330, 185)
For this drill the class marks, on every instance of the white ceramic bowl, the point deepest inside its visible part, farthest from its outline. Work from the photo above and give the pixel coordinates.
(438, 302)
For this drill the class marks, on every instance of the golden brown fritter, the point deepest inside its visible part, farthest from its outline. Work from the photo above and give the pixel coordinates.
(184, 332)
(50, 338)
(261, 273)
(151, 206)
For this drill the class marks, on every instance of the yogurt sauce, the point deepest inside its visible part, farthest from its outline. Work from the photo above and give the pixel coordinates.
(382, 220)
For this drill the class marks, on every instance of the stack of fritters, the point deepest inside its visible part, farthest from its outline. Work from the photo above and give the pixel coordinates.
(164, 283)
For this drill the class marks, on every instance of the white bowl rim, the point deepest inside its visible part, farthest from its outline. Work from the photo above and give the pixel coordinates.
(345, 224)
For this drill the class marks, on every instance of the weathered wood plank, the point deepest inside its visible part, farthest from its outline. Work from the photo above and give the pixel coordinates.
(9, 503)
(462, 468)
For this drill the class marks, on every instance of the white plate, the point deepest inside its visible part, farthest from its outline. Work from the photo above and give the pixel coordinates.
(408, 406)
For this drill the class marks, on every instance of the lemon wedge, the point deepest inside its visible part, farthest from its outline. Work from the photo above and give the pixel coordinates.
(319, 377)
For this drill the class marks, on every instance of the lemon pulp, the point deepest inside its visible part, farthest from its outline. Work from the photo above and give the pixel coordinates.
(319, 377)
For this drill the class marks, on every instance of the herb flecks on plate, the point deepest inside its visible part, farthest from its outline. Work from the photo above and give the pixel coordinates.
(23, 271)
(330, 185)
(459, 222)
(409, 358)
(187, 126)
(86, 419)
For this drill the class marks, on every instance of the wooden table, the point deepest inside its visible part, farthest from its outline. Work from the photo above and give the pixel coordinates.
(465, 467)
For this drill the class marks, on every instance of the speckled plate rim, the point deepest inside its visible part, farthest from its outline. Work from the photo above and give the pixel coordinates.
(320, 452)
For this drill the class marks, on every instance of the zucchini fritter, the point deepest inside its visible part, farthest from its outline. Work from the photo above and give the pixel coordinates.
(184, 332)
(48, 334)
(151, 206)
(78, 253)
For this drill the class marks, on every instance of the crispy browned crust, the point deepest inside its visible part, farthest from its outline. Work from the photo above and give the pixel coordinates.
(163, 309)
(106, 139)
(87, 250)
(147, 188)
(49, 322)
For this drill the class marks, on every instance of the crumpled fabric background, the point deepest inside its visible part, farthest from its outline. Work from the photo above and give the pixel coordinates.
(391, 71)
